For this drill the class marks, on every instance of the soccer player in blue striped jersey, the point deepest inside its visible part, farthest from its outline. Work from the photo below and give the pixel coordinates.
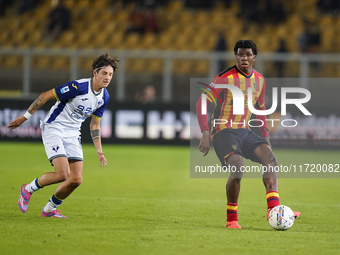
(76, 101)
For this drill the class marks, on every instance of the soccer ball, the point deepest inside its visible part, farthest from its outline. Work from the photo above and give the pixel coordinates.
(281, 217)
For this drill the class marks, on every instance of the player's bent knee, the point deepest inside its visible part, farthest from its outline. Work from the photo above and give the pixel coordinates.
(62, 176)
(75, 182)
(274, 161)
(270, 159)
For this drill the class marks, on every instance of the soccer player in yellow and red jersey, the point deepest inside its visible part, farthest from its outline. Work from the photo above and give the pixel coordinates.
(232, 137)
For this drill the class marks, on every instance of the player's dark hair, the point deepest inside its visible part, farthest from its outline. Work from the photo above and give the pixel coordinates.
(105, 60)
(246, 44)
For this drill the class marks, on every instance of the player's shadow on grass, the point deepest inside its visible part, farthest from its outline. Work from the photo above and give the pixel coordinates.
(248, 228)
(257, 229)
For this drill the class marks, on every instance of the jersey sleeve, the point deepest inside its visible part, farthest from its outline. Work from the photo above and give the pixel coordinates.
(100, 111)
(212, 95)
(212, 92)
(202, 119)
(66, 91)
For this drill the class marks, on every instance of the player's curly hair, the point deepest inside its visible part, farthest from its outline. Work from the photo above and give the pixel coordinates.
(246, 44)
(105, 60)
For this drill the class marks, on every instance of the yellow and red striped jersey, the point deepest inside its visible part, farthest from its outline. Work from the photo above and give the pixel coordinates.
(234, 76)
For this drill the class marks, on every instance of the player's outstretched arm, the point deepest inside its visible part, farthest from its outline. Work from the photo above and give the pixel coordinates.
(95, 134)
(40, 101)
(204, 145)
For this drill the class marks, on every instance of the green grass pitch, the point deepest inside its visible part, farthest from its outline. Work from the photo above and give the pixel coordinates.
(145, 202)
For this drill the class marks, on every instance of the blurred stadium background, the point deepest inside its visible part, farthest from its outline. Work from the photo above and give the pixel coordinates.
(145, 201)
(161, 45)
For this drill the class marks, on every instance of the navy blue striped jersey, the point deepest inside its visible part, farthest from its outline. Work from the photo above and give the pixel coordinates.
(76, 101)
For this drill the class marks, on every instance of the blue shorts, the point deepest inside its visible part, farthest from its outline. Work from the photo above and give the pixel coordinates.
(237, 141)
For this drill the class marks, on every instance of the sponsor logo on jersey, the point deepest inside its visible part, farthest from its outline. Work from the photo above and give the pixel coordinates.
(64, 89)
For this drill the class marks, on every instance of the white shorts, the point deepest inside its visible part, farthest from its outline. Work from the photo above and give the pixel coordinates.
(57, 146)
